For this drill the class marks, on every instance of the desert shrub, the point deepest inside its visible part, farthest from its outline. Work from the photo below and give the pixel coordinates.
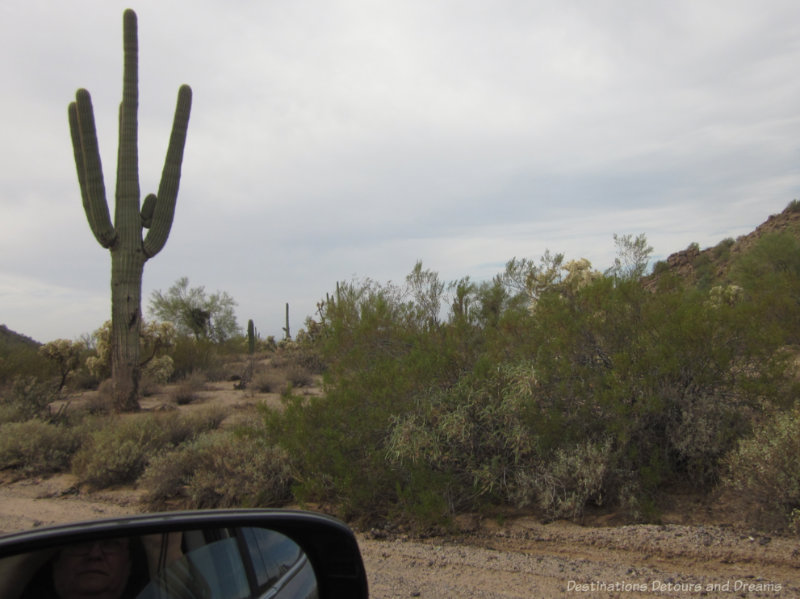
(567, 481)
(27, 398)
(470, 438)
(722, 250)
(83, 380)
(770, 276)
(303, 351)
(190, 355)
(542, 388)
(299, 376)
(660, 267)
(218, 470)
(120, 448)
(380, 356)
(101, 402)
(764, 470)
(35, 447)
(22, 360)
(672, 379)
(200, 420)
(269, 381)
(186, 390)
(8, 413)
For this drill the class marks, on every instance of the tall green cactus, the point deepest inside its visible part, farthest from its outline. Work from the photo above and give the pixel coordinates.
(251, 337)
(129, 250)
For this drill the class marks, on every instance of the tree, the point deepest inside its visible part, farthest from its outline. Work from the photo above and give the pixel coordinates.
(123, 238)
(426, 290)
(633, 257)
(194, 313)
(525, 277)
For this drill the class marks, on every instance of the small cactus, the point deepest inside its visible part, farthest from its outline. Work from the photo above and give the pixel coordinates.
(287, 332)
(251, 337)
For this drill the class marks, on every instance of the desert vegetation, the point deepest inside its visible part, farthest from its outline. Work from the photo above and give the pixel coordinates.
(555, 387)
(552, 388)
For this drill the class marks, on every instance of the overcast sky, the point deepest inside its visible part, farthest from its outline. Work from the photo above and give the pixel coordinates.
(336, 139)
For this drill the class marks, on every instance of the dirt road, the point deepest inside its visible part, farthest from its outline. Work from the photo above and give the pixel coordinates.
(520, 558)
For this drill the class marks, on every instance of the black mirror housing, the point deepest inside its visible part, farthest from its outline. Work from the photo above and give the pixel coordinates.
(327, 544)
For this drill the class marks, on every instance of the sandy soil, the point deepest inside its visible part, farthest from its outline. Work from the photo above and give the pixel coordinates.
(519, 558)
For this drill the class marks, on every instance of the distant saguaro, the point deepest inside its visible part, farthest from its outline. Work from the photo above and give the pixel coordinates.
(286, 328)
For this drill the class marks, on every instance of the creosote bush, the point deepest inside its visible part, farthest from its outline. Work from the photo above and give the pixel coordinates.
(764, 471)
(270, 380)
(27, 398)
(222, 469)
(562, 485)
(186, 390)
(118, 450)
(36, 447)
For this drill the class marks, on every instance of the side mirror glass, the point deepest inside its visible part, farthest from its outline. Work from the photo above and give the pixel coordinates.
(193, 555)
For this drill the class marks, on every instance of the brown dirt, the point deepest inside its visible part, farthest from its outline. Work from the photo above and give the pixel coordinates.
(519, 558)
(698, 550)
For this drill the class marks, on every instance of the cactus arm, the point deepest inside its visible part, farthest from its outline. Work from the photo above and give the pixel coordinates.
(77, 149)
(126, 216)
(148, 207)
(170, 176)
(90, 169)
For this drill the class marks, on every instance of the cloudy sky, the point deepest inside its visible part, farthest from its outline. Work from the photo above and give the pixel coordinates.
(333, 139)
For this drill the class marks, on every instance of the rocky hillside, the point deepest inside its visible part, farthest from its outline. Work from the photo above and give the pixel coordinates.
(708, 266)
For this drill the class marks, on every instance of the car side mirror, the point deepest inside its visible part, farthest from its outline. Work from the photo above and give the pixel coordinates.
(214, 554)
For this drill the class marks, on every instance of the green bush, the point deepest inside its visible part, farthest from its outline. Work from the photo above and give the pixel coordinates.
(764, 471)
(567, 481)
(190, 355)
(186, 390)
(120, 448)
(219, 470)
(553, 385)
(470, 438)
(27, 398)
(722, 250)
(770, 276)
(35, 447)
(269, 381)
(299, 376)
(24, 360)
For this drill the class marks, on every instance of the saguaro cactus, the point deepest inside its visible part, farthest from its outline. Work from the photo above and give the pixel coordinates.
(129, 250)
(251, 337)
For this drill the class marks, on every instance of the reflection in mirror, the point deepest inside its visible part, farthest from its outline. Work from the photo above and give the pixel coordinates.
(218, 563)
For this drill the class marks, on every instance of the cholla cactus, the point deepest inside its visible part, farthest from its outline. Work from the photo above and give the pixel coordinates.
(66, 354)
(155, 338)
(724, 294)
(129, 250)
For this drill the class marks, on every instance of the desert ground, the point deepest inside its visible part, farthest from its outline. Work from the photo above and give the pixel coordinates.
(699, 548)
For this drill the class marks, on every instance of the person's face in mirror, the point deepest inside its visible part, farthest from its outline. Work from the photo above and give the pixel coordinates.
(97, 569)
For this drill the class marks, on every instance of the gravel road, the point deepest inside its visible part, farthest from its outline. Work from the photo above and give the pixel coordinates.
(521, 558)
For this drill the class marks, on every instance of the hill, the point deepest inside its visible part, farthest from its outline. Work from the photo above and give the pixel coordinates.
(12, 341)
(711, 266)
